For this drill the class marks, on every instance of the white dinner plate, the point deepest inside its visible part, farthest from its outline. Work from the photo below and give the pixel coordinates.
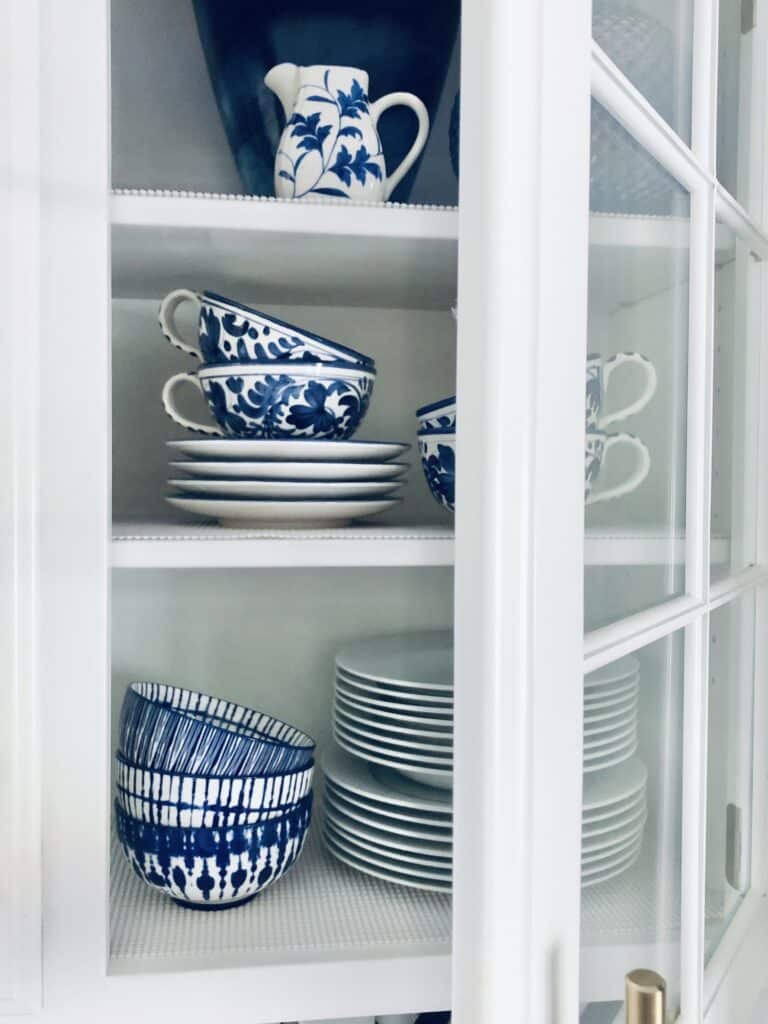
(386, 728)
(240, 514)
(602, 791)
(426, 774)
(628, 817)
(604, 742)
(438, 708)
(612, 841)
(392, 812)
(408, 757)
(385, 841)
(376, 870)
(345, 472)
(620, 868)
(599, 715)
(437, 724)
(289, 489)
(410, 861)
(382, 784)
(290, 450)
(620, 669)
(610, 725)
(407, 743)
(612, 702)
(384, 821)
(600, 864)
(388, 686)
(618, 689)
(422, 659)
(623, 753)
(391, 693)
(604, 815)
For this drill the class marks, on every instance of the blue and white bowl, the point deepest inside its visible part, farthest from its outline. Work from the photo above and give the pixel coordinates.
(282, 400)
(438, 459)
(438, 417)
(166, 728)
(214, 868)
(212, 801)
(229, 332)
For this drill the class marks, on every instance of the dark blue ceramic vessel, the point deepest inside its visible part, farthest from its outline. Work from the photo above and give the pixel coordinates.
(403, 46)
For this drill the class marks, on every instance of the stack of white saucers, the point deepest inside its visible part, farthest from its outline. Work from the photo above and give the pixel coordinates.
(614, 813)
(378, 822)
(610, 714)
(393, 703)
(247, 484)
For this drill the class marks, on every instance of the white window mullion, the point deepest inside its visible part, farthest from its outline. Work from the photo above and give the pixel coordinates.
(704, 105)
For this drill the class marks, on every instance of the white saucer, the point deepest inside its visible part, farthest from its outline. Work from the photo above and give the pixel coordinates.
(599, 715)
(604, 742)
(398, 825)
(609, 760)
(442, 708)
(396, 741)
(381, 784)
(393, 813)
(289, 489)
(391, 692)
(597, 875)
(601, 791)
(613, 841)
(412, 858)
(620, 669)
(387, 874)
(610, 812)
(240, 514)
(387, 728)
(305, 450)
(398, 756)
(439, 725)
(630, 817)
(591, 865)
(311, 471)
(608, 726)
(421, 659)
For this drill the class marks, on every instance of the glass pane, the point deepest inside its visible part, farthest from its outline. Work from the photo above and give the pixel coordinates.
(631, 825)
(738, 155)
(637, 362)
(729, 769)
(734, 438)
(650, 41)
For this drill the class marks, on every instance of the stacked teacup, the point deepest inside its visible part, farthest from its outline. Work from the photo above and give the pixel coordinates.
(277, 393)
(214, 799)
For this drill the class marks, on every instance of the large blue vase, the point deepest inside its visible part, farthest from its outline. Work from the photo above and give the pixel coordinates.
(403, 46)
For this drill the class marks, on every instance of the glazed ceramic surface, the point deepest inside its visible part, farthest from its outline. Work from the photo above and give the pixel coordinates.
(421, 658)
(599, 374)
(438, 459)
(279, 489)
(290, 450)
(401, 45)
(298, 514)
(171, 798)
(170, 729)
(370, 782)
(229, 332)
(330, 145)
(438, 417)
(310, 472)
(214, 868)
(326, 400)
(596, 447)
(623, 668)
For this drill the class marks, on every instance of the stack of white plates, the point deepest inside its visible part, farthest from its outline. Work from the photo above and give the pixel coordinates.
(612, 822)
(385, 825)
(393, 704)
(293, 483)
(610, 714)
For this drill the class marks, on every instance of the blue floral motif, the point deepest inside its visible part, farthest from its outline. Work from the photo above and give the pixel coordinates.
(210, 331)
(360, 165)
(439, 462)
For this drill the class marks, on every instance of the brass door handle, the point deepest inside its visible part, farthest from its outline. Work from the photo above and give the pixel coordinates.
(645, 997)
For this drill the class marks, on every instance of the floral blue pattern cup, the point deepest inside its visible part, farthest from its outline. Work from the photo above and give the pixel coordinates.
(596, 446)
(229, 332)
(599, 374)
(438, 417)
(330, 146)
(282, 400)
(438, 459)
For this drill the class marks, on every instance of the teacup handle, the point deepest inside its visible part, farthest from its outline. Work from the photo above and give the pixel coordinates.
(168, 404)
(646, 394)
(635, 478)
(167, 314)
(404, 99)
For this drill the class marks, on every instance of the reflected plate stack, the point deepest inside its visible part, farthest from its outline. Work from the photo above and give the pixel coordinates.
(610, 714)
(393, 704)
(385, 825)
(301, 484)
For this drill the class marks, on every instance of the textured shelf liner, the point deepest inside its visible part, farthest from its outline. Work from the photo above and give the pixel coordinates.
(211, 531)
(166, 193)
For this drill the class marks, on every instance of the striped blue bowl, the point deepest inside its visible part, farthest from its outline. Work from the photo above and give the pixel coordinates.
(166, 728)
(207, 801)
(214, 868)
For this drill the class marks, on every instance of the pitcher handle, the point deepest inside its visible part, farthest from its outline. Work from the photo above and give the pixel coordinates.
(404, 99)
(645, 396)
(166, 316)
(635, 478)
(170, 407)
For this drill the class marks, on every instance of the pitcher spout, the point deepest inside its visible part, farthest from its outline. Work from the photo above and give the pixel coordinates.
(283, 80)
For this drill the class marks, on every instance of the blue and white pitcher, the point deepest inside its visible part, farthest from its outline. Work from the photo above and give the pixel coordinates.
(330, 145)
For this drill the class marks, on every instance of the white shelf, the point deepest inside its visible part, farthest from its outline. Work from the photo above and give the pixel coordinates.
(283, 251)
(175, 546)
(164, 546)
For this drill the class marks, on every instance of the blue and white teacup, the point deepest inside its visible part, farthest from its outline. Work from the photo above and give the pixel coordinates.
(438, 417)
(599, 374)
(280, 400)
(229, 332)
(596, 446)
(438, 459)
